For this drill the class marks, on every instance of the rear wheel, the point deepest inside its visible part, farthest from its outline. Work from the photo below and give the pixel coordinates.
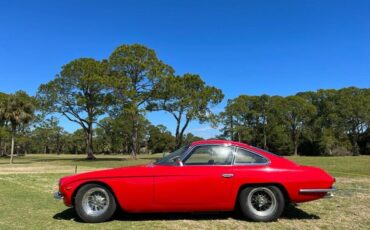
(261, 203)
(94, 203)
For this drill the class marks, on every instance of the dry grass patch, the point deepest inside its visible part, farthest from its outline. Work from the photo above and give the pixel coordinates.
(40, 168)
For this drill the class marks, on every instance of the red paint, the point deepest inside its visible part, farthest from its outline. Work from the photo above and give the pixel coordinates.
(158, 188)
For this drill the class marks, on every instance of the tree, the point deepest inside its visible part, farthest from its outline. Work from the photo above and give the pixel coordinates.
(354, 110)
(17, 109)
(79, 94)
(294, 113)
(186, 98)
(239, 116)
(47, 135)
(3, 130)
(135, 70)
(247, 118)
(190, 138)
(76, 142)
(263, 111)
(114, 133)
(160, 139)
(325, 132)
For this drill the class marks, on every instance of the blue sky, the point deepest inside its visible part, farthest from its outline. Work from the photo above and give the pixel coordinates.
(242, 47)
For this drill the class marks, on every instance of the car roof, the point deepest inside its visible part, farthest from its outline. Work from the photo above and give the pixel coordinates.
(214, 141)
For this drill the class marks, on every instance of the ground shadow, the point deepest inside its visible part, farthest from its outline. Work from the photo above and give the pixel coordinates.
(291, 212)
(68, 214)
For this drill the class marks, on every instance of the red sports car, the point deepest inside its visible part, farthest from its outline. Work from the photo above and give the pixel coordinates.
(210, 175)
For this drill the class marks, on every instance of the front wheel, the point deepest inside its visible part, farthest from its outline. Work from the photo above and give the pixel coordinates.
(261, 203)
(94, 203)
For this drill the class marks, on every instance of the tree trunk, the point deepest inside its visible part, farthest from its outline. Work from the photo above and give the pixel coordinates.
(25, 150)
(355, 147)
(294, 134)
(89, 143)
(295, 149)
(295, 143)
(178, 140)
(58, 144)
(180, 136)
(12, 147)
(264, 139)
(1, 148)
(177, 134)
(134, 137)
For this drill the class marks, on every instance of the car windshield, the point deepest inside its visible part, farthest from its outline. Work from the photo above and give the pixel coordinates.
(169, 159)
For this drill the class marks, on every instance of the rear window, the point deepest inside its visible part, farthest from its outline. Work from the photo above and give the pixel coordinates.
(246, 157)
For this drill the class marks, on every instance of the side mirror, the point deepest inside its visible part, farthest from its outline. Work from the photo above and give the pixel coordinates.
(178, 161)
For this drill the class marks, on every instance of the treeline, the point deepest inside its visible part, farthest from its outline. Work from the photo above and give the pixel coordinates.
(326, 122)
(46, 136)
(109, 100)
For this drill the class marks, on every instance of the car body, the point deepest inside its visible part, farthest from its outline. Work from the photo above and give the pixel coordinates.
(203, 176)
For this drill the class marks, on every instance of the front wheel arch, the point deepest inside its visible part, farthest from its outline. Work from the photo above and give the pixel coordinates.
(93, 182)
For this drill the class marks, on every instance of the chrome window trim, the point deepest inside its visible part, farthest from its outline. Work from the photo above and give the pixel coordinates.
(268, 162)
(235, 148)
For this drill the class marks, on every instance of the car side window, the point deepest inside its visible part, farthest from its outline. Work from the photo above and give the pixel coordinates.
(210, 155)
(246, 157)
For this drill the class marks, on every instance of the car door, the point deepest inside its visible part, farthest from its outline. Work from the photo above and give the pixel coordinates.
(203, 182)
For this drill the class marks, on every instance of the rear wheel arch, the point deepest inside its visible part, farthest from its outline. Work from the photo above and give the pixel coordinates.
(278, 185)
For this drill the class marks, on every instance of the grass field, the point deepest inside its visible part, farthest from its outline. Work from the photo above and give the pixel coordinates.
(26, 200)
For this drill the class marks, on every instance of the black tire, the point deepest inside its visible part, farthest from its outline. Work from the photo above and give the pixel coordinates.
(96, 192)
(261, 203)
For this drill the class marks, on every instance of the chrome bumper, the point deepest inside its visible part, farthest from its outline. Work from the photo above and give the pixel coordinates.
(328, 191)
(58, 196)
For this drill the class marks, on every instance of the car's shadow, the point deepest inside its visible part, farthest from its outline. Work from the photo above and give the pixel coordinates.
(291, 212)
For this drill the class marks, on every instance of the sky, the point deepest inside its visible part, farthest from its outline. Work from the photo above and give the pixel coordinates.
(243, 47)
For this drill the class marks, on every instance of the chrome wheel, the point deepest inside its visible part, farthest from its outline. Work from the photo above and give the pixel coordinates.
(95, 201)
(262, 201)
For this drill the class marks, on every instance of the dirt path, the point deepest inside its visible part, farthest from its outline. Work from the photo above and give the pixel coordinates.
(21, 169)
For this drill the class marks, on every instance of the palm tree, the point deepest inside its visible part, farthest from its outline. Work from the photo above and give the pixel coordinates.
(3, 98)
(17, 110)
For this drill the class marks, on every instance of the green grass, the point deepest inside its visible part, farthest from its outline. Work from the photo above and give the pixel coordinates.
(26, 201)
(339, 166)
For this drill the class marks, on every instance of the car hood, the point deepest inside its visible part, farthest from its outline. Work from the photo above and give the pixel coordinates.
(130, 171)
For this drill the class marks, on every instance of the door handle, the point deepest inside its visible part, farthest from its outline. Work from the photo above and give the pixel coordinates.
(227, 175)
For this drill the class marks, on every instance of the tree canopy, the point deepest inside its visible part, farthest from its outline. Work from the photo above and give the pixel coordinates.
(79, 94)
(135, 71)
(186, 98)
(326, 122)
